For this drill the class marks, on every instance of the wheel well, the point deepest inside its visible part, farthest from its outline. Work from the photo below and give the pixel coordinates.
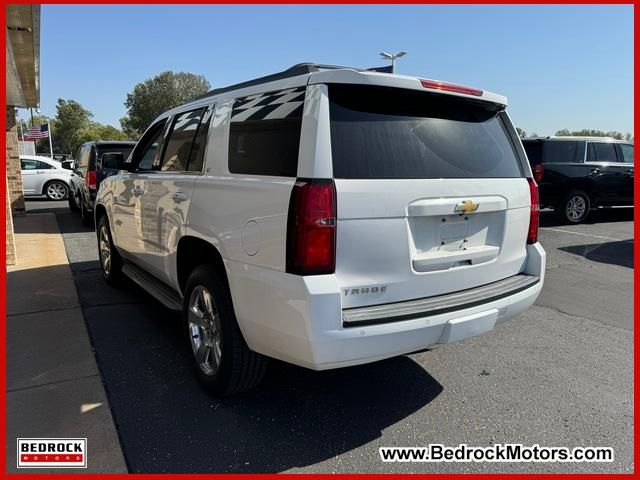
(586, 187)
(44, 187)
(194, 251)
(99, 212)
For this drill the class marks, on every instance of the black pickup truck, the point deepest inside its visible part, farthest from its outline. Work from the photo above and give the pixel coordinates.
(577, 174)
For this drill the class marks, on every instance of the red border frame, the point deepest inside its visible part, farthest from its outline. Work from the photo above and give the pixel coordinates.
(496, 476)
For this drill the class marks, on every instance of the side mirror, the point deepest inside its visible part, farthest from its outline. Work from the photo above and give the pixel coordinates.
(113, 161)
(67, 164)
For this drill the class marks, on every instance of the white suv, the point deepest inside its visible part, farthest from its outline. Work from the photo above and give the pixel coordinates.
(327, 217)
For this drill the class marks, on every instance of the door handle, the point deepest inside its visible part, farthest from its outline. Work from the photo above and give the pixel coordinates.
(137, 191)
(179, 196)
(595, 170)
(39, 171)
(629, 172)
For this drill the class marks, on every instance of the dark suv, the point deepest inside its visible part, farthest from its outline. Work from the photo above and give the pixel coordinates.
(576, 174)
(88, 172)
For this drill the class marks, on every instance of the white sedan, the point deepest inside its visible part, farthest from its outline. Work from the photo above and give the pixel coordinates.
(43, 176)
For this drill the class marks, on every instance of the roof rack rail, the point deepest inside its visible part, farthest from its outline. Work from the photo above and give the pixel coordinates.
(296, 70)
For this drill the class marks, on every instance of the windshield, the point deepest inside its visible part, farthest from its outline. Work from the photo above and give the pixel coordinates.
(379, 132)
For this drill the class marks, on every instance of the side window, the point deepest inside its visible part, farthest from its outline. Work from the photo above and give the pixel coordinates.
(43, 166)
(146, 151)
(563, 151)
(627, 152)
(28, 165)
(196, 158)
(601, 152)
(264, 136)
(180, 141)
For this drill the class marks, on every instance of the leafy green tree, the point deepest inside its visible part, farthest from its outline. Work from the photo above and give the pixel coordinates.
(71, 119)
(521, 132)
(159, 94)
(96, 132)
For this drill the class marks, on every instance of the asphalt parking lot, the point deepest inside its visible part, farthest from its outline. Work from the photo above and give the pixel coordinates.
(559, 375)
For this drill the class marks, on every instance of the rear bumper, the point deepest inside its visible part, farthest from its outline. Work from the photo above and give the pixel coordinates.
(300, 320)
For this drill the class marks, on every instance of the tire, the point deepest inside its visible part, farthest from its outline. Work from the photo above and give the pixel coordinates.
(73, 206)
(56, 190)
(224, 363)
(111, 268)
(85, 217)
(574, 207)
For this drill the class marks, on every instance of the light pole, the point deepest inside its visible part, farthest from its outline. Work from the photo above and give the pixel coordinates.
(392, 57)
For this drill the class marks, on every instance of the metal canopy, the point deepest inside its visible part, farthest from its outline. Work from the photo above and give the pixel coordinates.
(23, 55)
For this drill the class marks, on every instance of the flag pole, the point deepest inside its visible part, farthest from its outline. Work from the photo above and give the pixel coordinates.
(50, 142)
(21, 131)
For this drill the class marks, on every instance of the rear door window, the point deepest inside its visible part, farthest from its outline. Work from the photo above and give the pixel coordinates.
(196, 159)
(601, 152)
(264, 137)
(563, 151)
(379, 132)
(180, 141)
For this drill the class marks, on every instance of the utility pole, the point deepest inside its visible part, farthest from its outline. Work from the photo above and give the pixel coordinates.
(393, 57)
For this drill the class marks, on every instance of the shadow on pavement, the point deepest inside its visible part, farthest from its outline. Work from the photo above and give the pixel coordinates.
(548, 218)
(614, 253)
(297, 417)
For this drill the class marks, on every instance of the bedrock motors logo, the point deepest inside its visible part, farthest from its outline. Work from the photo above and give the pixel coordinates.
(52, 453)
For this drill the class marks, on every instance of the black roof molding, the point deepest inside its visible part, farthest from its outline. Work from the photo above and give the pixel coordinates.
(296, 70)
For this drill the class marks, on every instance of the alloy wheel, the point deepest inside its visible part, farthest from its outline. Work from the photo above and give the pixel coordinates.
(56, 191)
(204, 330)
(105, 250)
(576, 208)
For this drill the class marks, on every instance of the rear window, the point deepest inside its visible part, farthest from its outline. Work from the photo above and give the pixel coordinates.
(534, 150)
(381, 132)
(124, 149)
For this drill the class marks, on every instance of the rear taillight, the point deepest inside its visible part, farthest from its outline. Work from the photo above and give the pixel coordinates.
(450, 87)
(534, 218)
(92, 181)
(538, 172)
(311, 229)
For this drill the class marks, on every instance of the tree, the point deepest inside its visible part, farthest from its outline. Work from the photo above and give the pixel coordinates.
(585, 132)
(96, 131)
(628, 137)
(159, 94)
(521, 132)
(71, 119)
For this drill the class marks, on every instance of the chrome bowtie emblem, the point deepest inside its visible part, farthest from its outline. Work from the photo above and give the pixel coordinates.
(466, 206)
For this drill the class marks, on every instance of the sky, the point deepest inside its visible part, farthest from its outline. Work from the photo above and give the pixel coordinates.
(560, 66)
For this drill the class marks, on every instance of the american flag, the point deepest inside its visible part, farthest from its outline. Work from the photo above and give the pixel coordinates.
(37, 132)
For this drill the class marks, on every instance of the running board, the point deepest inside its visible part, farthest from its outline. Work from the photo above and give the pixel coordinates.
(154, 287)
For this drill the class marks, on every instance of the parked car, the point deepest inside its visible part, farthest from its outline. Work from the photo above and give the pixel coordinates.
(43, 176)
(327, 217)
(577, 174)
(89, 172)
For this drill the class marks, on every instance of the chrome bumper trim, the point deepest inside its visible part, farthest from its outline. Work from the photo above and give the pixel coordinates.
(426, 307)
